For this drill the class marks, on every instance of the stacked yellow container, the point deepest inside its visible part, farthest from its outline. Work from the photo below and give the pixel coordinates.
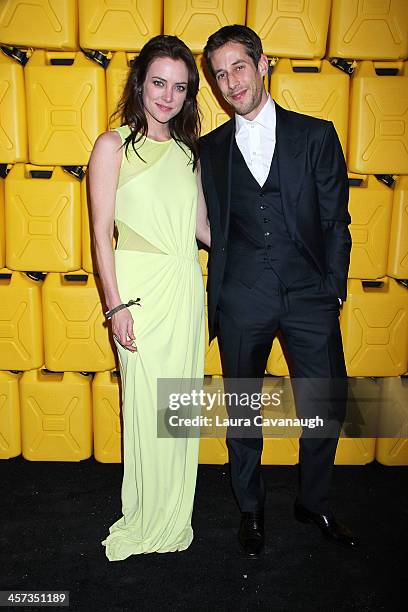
(61, 75)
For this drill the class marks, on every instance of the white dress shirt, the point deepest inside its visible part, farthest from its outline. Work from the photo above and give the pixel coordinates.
(256, 140)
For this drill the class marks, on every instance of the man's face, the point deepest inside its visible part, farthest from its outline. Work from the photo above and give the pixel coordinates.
(239, 80)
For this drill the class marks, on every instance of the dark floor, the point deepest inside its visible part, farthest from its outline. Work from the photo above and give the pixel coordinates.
(54, 516)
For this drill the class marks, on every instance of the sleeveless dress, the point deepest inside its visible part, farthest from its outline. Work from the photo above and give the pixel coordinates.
(156, 259)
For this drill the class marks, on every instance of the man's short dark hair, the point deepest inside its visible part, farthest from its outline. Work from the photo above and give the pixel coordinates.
(238, 34)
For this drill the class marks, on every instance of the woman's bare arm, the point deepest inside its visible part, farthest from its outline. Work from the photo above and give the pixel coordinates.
(103, 170)
(104, 167)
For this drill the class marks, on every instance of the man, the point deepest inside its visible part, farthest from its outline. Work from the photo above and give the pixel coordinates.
(276, 188)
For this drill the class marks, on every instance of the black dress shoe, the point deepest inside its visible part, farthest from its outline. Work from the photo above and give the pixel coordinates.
(330, 528)
(251, 534)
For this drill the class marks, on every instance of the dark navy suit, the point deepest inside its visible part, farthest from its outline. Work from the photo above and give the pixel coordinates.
(278, 264)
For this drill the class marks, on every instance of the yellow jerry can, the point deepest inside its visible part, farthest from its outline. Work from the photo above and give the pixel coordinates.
(370, 207)
(355, 451)
(43, 24)
(56, 416)
(276, 364)
(212, 364)
(127, 26)
(203, 258)
(398, 250)
(280, 451)
(21, 328)
(195, 20)
(213, 451)
(375, 328)
(313, 87)
(107, 425)
(369, 30)
(2, 226)
(393, 450)
(116, 76)
(66, 107)
(290, 28)
(10, 431)
(13, 135)
(43, 216)
(76, 336)
(214, 111)
(378, 134)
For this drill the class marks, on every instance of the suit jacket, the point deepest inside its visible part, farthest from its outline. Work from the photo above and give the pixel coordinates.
(314, 192)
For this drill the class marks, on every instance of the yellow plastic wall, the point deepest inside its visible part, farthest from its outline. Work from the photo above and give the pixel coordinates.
(51, 115)
(394, 451)
(194, 20)
(370, 207)
(213, 450)
(2, 226)
(21, 330)
(116, 75)
(280, 451)
(290, 28)
(276, 364)
(369, 30)
(43, 24)
(355, 451)
(106, 417)
(125, 25)
(10, 430)
(210, 103)
(398, 245)
(378, 134)
(203, 259)
(323, 94)
(375, 329)
(13, 133)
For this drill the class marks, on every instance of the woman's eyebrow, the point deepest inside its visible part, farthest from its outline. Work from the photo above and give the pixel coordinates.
(163, 79)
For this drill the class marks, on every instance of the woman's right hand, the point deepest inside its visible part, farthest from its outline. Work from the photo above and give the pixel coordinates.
(122, 328)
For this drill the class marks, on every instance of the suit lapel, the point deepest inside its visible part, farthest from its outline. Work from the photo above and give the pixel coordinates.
(221, 167)
(291, 148)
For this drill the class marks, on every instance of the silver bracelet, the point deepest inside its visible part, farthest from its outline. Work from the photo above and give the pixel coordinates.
(109, 313)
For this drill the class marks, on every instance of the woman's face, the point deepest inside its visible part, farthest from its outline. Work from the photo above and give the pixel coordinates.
(164, 90)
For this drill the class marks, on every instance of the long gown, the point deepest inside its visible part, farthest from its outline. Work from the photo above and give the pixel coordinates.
(156, 259)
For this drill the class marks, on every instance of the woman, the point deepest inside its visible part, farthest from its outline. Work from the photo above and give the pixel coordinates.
(144, 178)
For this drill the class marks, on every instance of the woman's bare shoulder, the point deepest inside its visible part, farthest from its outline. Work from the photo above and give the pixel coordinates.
(108, 145)
(109, 140)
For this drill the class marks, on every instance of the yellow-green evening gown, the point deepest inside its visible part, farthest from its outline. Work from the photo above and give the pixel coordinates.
(156, 259)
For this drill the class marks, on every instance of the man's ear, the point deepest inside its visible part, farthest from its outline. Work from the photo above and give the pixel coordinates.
(263, 65)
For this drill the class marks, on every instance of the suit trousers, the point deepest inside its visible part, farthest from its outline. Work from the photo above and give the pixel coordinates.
(306, 317)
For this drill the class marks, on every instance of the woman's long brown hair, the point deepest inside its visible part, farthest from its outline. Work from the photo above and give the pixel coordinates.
(185, 126)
